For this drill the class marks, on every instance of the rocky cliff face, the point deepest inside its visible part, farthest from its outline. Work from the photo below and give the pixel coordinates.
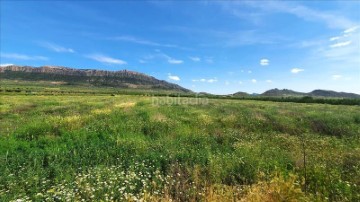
(123, 78)
(69, 71)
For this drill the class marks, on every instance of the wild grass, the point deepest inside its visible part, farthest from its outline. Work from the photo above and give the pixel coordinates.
(125, 148)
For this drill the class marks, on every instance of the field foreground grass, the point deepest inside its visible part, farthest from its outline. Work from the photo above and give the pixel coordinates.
(133, 148)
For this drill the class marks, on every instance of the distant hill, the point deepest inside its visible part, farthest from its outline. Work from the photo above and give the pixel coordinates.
(316, 93)
(329, 93)
(204, 94)
(239, 94)
(65, 75)
(282, 92)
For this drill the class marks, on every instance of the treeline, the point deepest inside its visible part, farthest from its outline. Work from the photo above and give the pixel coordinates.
(304, 99)
(164, 93)
(309, 99)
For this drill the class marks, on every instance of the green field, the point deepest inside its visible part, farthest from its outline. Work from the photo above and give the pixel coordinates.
(128, 147)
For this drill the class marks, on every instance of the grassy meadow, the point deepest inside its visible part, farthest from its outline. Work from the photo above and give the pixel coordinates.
(139, 148)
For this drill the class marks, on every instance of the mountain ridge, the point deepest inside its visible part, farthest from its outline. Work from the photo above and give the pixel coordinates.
(121, 78)
(135, 80)
(315, 93)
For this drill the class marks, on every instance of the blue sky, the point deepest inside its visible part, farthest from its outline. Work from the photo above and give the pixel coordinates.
(214, 46)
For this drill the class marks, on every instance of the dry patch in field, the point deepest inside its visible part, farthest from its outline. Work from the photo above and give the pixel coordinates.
(125, 105)
(259, 116)
(159, 117)
(229, 119)
(101, 111)
(70, 122)
(205, 119)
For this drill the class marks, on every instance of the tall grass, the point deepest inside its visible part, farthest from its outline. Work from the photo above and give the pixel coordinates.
(125, 148)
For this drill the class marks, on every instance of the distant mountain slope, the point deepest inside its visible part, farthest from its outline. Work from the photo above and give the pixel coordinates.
(239, 94)
(121, 79)
(316, 93)
(283, 92)
(329, 93)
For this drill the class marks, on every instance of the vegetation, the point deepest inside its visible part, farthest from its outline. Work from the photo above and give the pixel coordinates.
(16, 87)
(88, 147)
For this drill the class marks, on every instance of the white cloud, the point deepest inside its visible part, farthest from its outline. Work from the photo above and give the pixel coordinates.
(249, 71)
(253, 80)
(335, 38)
(213, 80)
(174, 78)
(56, 48)
(142, 61)
(345, 50)
(174, 61)
(162, 55)
(268, 81)
(195, 59)
(301, 11)
(240, 82)
(227, 83)
(136, 40)
(264, 62)
(106, 59)
(346, 34)
(296, 70)
(342, 50)
(350, 30)
(16, 56)
(340, 44)
(336, 77)
(5, 65)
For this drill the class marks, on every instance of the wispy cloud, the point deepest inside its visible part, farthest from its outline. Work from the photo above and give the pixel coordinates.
(264, 62)
(106, 59)
(174, 61)
(162, 55)
(195, 59)
(236, 38)
(344, 48)
(351, 29)
(334, 38)
(213, 80)
(56, 48)
(296, 70)
(345, 34)
(268, 81)
(136, 40)
(17, 56)
(173, 77)
(301, 11)
(340, 44)
(253, 80)
(336, 77)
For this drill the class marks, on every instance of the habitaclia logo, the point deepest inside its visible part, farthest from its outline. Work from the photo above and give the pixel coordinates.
(178, 100)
